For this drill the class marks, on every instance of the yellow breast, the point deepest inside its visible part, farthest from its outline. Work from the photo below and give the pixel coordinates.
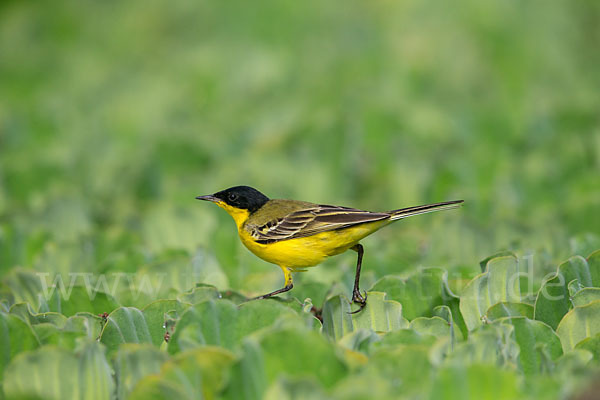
(311, 250)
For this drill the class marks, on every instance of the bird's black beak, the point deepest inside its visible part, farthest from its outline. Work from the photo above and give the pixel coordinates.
(208, 197)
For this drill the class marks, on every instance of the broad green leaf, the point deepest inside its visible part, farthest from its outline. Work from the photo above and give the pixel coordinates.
(154, 387)
(337, 320)
(81, 327)
(206, 323)
(553, 299)
(475, 382)
(53, 373)
(594, 264)
(491, 344)
(359, 340)
(125, 325)
(578, 324)
(221, 323)
(197, 373)
(500, 283)
(585, 296)
(317, 292)
(574, 286)
(404, 337)
(131, 325)
(391, 372)
(434, 326)
(26, 287)
(16, 336)
(79, 299)
(591, 344)
(446, 314)
(233, 296)
(483, 264)
(158, 313)
(199, 294)
(420, 293)
(24, 311)
(300, 353)
(539, 345)
(288, 388)
(248, 376)
(54, 328)
(502, 309)
(379, 315)
(133, 362)
(276, 353)
(574, 371)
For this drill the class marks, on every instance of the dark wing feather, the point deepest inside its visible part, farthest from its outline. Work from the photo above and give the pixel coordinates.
(313, 220)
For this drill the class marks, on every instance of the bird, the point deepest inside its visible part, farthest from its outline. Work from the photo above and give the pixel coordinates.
(296, 235)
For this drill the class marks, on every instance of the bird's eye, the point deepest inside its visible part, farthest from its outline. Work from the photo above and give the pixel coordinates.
(232, 197)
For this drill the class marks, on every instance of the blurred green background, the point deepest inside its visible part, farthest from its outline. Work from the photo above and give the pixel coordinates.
(115, 115)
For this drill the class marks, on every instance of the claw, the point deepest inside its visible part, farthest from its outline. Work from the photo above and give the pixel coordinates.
(360, 300)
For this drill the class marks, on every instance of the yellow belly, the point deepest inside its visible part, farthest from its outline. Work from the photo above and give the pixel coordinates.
(309, 251)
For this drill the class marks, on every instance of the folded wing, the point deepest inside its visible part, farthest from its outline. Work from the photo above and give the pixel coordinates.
(313, 220)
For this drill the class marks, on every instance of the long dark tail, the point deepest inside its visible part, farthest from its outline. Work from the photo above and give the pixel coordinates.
(410, 211)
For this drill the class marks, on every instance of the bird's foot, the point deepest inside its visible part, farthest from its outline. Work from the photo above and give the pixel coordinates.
(357, 298)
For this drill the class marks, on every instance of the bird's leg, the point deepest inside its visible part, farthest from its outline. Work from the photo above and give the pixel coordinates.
(288, 286)
(356, 296)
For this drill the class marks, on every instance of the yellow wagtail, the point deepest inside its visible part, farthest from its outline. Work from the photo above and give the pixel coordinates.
(297, 234)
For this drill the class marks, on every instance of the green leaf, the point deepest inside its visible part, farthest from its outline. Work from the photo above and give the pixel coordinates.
(289, 388)
(483, 264)
(131, 325)
(316, 291)
(53, 373)
(585, 296)
(279, 352)
(591, 344)
(301, 354)
(78, 299)
(199, 294)
(574, 286)
(539, 345)
(492, 344)
(133, 362)
(553, 299)
(500, 283)
(434, 326)
(24, 311)
(158, 313)
(392, 372)
(502, 309)
(475, 382)
(359, 340)
(125, 325)
(81, 327)
(578, 324)
(25, 287)
(446, 313)
(197, 373)
(379, 315)
(16, 336)
(54, 328)
(248, 377)
(420, 293)
(221, 323)
(404, 337)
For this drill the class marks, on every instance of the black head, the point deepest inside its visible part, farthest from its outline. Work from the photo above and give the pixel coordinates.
(243, 197)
